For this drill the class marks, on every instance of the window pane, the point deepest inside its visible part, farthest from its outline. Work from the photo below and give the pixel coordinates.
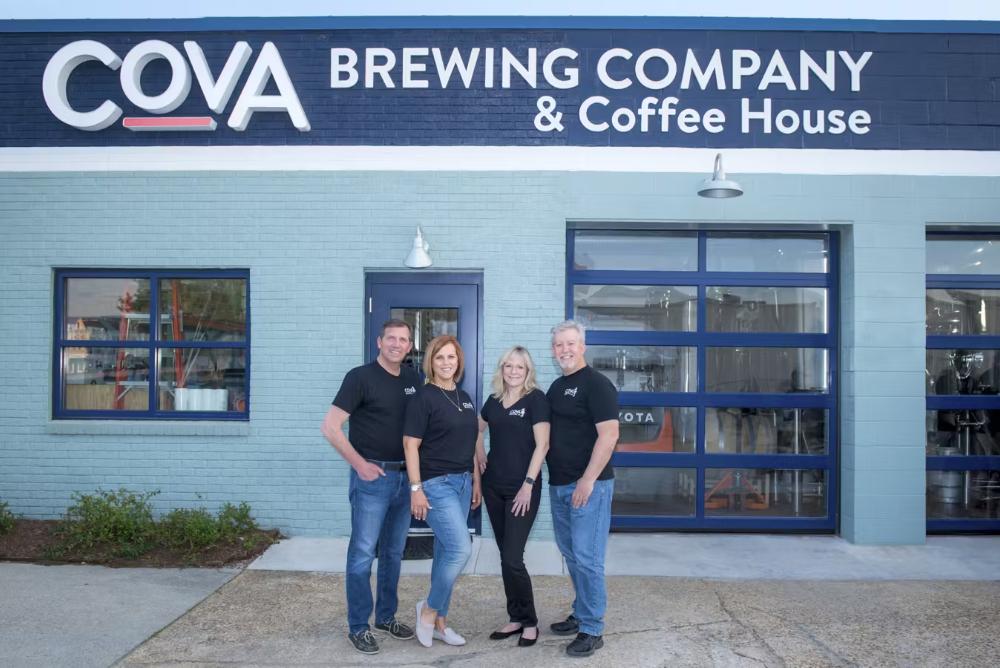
(765, 492)
(963, 432)
(963, 255)
(962, 371)
(202, 379)
(963, 311)
(106, 379)
(641, 308)
(635, 251)
(755, 309)
(766, 370)
(106, 309)
(427, 323)
(963, 495)
(656, 429)
(199, 309)
(766, 431)
(653, 491)
(768, 252)
(646, 368)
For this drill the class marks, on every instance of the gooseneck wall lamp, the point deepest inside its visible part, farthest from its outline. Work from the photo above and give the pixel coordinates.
(719, 186)
(418, 257)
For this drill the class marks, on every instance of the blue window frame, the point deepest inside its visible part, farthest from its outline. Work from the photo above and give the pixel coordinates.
(715, 433)
(963, 382)
(135, 344)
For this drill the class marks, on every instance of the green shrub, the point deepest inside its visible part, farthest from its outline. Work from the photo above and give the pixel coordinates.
(236, 522)
(6, 519)
(191, 529)
(121, 522)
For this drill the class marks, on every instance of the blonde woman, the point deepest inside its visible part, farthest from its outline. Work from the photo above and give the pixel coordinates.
(517, 414)
(439, 441)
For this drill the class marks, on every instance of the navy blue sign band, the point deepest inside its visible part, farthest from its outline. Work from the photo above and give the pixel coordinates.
(506, 87)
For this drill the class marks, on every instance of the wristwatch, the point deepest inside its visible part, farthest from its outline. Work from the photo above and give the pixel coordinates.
(416, 486)
(529, 480)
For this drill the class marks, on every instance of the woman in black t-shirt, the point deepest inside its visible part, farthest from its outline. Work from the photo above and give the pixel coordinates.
(439, 440)
(517, 414)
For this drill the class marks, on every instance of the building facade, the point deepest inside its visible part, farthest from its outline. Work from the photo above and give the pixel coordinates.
(205, 221)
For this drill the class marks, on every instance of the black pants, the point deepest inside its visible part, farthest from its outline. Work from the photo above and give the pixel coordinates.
(511, 535)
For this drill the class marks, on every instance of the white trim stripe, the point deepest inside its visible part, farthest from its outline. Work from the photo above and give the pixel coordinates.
(496, 158)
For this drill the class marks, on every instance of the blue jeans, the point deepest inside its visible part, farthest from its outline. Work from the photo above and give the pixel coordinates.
(380, 516)
(582, 537)
(450, 497)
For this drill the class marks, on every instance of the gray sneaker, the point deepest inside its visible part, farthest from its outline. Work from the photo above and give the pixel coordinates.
(396, 629)
(364, 641)
(584, 645)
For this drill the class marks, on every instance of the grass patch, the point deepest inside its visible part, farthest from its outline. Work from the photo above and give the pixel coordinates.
(6, 519)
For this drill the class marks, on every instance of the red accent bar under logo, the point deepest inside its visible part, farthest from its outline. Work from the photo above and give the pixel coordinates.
(160, 123)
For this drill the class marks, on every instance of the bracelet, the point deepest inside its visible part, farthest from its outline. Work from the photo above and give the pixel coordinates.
(529, 480)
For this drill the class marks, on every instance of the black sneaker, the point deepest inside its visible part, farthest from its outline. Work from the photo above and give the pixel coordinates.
(584, 645)
(364, 641)
(566, 628)
(396, 629)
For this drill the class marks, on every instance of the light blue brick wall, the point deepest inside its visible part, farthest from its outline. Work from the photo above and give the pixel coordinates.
(307, 239)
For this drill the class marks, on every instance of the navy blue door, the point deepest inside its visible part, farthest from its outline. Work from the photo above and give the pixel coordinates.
(434, 303)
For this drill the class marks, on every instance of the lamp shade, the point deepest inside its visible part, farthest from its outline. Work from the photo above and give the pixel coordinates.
(719, 186)
(418, 257)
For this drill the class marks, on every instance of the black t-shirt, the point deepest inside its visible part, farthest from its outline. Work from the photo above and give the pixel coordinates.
(376, 401)
(512, 439)
(449, 434)
(578, 402)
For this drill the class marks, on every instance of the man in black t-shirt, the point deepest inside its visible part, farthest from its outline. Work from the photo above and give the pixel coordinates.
(584, 432)
(372, 400)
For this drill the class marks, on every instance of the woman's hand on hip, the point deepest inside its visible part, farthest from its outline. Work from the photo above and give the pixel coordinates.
(419, 505)
(522, 501)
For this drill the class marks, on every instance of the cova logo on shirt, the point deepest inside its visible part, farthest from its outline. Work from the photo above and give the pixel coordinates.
(409, 390)
(570, 392)
(517, 412)
(466, 404)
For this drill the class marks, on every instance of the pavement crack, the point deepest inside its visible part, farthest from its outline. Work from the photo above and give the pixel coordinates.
(749, 629)
(831, 653)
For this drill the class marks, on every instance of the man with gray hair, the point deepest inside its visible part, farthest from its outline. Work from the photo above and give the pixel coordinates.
(584, 419)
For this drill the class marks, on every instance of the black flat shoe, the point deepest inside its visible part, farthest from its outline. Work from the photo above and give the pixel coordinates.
(503, 635)
(527, 642)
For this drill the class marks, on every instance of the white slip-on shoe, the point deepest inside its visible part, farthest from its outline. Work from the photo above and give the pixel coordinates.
(449, 636)
(425, 632)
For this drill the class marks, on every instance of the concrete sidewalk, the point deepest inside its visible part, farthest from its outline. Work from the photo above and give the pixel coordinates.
(674, 599)
(725, 556)
(83, 616)
(280, 618)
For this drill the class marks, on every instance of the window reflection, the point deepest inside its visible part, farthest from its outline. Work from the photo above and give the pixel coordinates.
(644, 308)
(212, 309)
(646, 368)
(767, 252)
(959, 311)
(106, 378)
(765, 492)
(781, 370)
(656, 429)
(963, 494)
(107, 309)
(653, 491)
(635, 251)
(203, 379)
(962, 254)
(962, 371)
(786, 431)
(765, 309)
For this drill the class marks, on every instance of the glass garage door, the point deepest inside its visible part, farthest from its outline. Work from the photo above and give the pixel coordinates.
(963, 383)
(723, 348)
